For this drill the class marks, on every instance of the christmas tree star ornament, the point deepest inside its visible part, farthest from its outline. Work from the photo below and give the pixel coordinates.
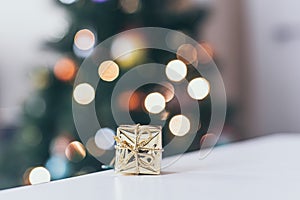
(138, 149)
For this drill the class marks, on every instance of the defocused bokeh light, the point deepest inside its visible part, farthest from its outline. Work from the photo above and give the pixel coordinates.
(39, 175)
(59, 144)
(58, 167)
(176, 70)
(32, 135)
(108, 70)
(84, 93)
(104, 138)
(40, 78)
(84, 39)
(75, 151)
(179, 125)
(130, 6)
(84, 42)
(35, 106)
(124, 49)
(187, 53)
(132, 98)
(155, 103)
(198, 88)
(65, 69)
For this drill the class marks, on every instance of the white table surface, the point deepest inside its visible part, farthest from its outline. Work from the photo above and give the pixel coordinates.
(261, 168)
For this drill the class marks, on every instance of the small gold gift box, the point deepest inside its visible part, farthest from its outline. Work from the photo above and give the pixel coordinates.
(138, 149)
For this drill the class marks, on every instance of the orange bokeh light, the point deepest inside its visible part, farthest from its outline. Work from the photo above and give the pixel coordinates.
(134, 100)
(65, 69)
(75, 151)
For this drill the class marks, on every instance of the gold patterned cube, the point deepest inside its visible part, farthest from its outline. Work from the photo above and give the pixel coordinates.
(138, 149)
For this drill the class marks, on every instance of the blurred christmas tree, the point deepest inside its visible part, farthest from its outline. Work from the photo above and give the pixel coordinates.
(47, 125)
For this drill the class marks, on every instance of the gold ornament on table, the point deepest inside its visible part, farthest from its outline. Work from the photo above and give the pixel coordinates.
(138, 149)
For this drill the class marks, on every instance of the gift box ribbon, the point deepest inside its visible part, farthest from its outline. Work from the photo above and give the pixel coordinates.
(137, 149)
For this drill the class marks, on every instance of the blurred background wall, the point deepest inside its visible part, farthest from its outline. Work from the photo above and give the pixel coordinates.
(257, 43)
(25, 26)
(271, 66)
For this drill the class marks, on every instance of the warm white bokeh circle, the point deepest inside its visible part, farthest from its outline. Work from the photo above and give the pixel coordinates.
(84, 39)
(108, 70)
(176, 70)
(198, 88)
(84, 93)
(155, 103)
(179, 125)
(39, 175)
(104, 138)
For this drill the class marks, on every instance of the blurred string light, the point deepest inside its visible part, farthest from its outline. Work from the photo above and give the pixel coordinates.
(187, 53)
(84, 42)
(205, 53)
(31, 135)
(167, 91)
(155, 103)
(65, 69)
(58, 167)
(175, 39)
(104, 138)
(84, 39)
(133, 98)
(176, 70)
(108, 70)
(40, 78)
(39, 175)
(75, 151)
(179, 125)
(123, 49)
(35, 106)
(93, 148)
(198, 88)
(130, 6)
(84, 93)
(67, 1)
